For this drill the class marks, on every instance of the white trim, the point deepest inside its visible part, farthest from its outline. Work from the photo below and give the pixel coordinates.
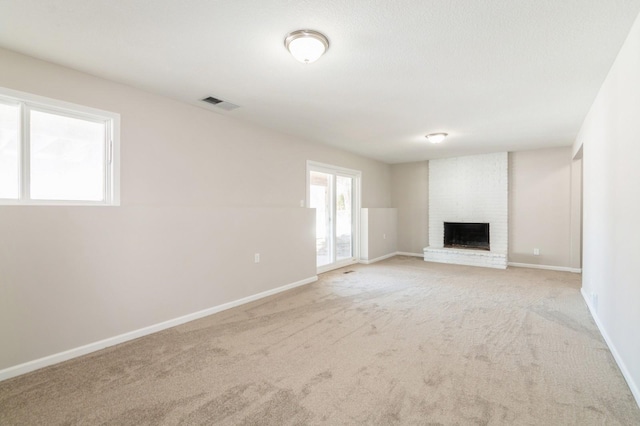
(29, 102)
(337, 265)
(356, 175)
(548, 267)
(406, 253)
(27, 367)
(330, 168)
(377, 259)
(43, 101)
(635, 390)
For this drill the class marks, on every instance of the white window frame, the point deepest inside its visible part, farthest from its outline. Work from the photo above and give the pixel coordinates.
(28, 102)
(356, 175)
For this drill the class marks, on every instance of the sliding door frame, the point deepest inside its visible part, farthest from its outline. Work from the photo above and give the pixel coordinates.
(356, 175)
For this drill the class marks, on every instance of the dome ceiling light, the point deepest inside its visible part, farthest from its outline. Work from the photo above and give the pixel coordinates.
(436, 137)
(306, 45)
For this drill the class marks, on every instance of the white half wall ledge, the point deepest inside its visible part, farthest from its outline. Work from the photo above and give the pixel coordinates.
(547, 267)
(37, 364)
(635, 390)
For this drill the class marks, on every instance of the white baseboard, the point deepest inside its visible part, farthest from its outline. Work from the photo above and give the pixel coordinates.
(387, 256)
(548, 267)
(27, 367)
(377, 259)
(406, 253)
(635, 390)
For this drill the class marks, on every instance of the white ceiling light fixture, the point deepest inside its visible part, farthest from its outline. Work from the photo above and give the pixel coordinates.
(306, 45)
(436, 137)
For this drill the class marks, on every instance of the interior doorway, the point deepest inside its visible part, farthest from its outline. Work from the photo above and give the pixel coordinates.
(335, 194)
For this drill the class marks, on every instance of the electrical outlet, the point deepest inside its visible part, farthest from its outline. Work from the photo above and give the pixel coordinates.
(301, 203)
(384, 236)
(536, 252)
(256, 258)
(594, 301)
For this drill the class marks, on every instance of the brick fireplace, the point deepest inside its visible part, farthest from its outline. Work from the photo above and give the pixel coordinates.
(469, 190)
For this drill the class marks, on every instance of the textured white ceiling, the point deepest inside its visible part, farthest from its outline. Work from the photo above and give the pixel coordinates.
(496, 75)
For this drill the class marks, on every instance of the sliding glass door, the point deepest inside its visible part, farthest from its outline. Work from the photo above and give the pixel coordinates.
(344, 217)
(334, 193)
(320, 198)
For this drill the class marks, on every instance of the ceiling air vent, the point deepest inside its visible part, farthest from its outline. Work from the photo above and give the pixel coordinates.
(219, 103)
(212, 100)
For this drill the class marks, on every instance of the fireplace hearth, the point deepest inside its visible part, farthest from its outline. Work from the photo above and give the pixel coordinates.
(467, 235)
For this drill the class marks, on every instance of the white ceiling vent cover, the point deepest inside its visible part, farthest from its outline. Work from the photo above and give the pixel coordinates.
(219, 103)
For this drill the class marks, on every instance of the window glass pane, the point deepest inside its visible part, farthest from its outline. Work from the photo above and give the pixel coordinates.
(344, 219)
(320, 199)
(67, 158)
(9, 151)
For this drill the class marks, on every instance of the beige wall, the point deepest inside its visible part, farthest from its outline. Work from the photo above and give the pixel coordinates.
(576, 213)
(379, 233)
(201, 192)
(540, 207)
(544, 207)
(410, 195)
(75, 276)
(610, 139)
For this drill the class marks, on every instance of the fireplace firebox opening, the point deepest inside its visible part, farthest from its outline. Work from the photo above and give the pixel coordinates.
(467, 235)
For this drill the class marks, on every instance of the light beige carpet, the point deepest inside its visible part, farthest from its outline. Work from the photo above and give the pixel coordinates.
(398, 342)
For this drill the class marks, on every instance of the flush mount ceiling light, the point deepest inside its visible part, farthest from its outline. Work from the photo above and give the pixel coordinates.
(306, 45)
(436, 137)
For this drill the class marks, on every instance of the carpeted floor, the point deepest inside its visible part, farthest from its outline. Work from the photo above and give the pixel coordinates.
(398, 342)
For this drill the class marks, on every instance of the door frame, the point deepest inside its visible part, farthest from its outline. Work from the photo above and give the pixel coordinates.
(356, 175)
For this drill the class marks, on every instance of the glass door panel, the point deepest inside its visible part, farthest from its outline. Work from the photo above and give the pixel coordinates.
(320, 198)
(344, 217)
(334, 193)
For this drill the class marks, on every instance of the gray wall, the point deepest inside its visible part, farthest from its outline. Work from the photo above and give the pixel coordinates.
(201, 192)
(410, 195)
(610, 140)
